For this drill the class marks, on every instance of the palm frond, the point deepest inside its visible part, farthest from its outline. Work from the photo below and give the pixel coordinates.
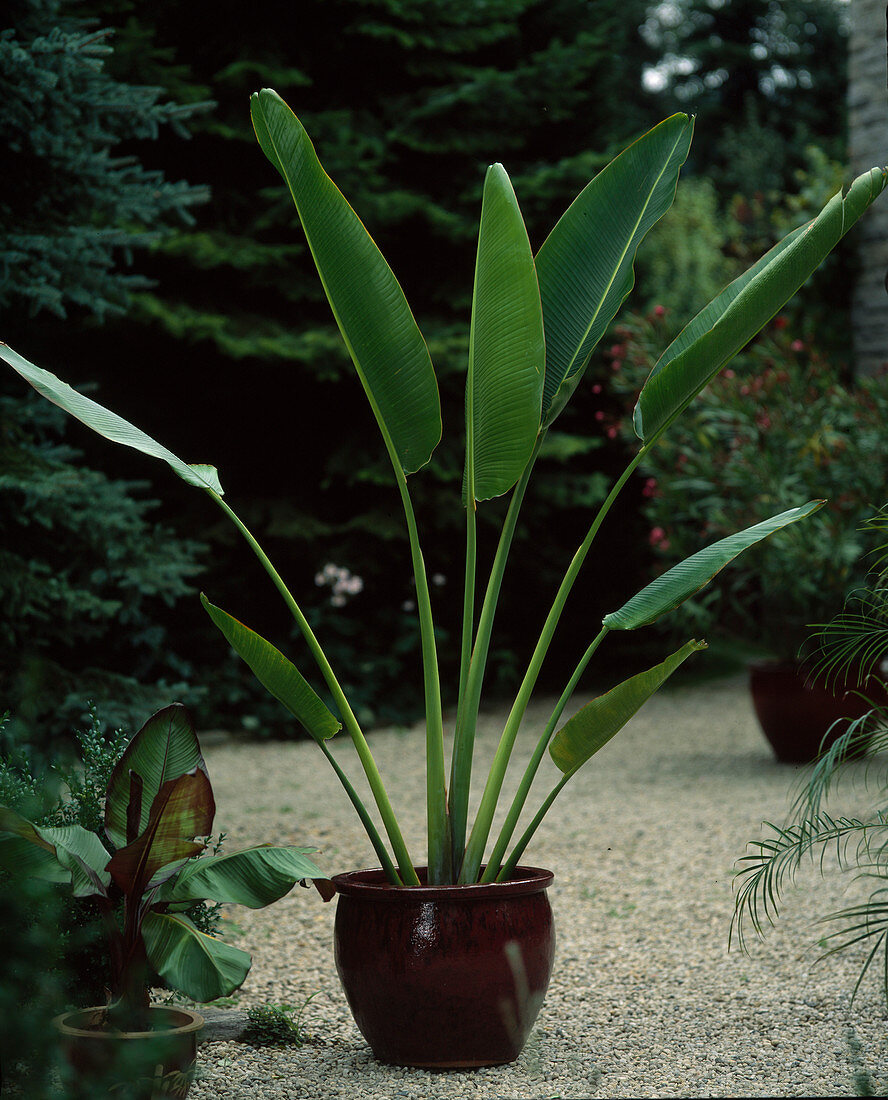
(870, 921)
(867, 733)
(775, 861)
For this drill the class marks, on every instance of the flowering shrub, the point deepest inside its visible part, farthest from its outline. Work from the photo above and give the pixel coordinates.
(779, 426)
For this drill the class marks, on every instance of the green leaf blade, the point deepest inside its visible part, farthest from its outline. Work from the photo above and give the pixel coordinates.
(201, 967)
(107, 423)
(382, 337)
(685, 579)
(276, 674)
(254, 877)
(592, 727)
(163, 749)
(585, 266)
(504, 386)
(182, 810)
(66, 854)
(742, 309)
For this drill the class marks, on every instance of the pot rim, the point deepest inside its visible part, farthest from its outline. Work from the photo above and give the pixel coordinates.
(194, 1023)
(372, 883)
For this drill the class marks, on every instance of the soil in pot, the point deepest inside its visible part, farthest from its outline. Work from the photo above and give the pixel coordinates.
(142, 1065)
(444, 977)
(795, 715)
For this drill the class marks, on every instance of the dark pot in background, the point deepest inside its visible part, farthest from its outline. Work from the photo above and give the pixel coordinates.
(444, 977)
(795, 715)
(143, 1064)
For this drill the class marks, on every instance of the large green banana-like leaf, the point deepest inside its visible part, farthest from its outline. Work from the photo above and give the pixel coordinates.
(107, 423)
(387, 348)
(254, 877)
(504, 385)
(593, 726)
(201, 967)
(163, 749)
(585, 264)
(278, 675)
(182, 809)
(741, 310)
(57, 854)
(681, 581)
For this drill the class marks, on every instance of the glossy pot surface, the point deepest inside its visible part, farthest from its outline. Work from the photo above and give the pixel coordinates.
(795, 714)
(444, 977)
(147, 1064)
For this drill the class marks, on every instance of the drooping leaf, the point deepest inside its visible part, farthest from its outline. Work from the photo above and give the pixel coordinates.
(278, 675)
(58, 854)
(585, 264)
(201, 967)
(182, 809)
(107, 423)
(681, 581)
(504, 384)
(720, 330)
(254, 877)
(592, 727)
(163, 749)
(382, 337)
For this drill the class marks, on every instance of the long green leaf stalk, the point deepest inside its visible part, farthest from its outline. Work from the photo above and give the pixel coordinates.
(494, 861)
(481, 830)
(470, 693)
(390, 821)
(436, 792)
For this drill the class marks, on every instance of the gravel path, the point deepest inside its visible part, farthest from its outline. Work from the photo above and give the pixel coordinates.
(646, 999)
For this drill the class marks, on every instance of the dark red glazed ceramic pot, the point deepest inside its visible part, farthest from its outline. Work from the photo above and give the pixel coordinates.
(444, 977)
(794, 714)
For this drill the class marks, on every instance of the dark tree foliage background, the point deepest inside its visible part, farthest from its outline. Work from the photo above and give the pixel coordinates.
(87, 577)
(231, 357)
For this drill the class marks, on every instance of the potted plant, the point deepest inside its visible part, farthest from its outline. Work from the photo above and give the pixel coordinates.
(851, 650)
(535, 322)
(158, 806)
(779, 422)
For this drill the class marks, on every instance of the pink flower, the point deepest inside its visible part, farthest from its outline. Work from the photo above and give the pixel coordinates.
(730, 374)
(659, 311)
(650, 487)
(797, 345)
(596, 388)
(657, 538)
(611, 432)
(599, 415)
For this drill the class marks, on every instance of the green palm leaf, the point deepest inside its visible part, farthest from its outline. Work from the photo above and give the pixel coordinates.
(107, 423)
(585, 264)
(163, 749)
(681, 581)
(592, 727)
(201, 967)
(379, 330)
(721, 329)
(254, 877)
(507, 352)
(278, 675)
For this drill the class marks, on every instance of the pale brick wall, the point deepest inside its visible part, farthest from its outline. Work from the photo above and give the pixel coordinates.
(868, 135)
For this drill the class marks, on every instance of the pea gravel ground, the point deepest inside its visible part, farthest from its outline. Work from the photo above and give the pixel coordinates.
(646, 999)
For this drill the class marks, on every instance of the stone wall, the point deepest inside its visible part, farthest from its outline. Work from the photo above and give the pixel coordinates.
(868, 135)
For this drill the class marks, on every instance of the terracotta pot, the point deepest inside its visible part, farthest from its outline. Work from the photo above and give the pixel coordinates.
(146, 1064)
(444, 977)
(796, 715)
